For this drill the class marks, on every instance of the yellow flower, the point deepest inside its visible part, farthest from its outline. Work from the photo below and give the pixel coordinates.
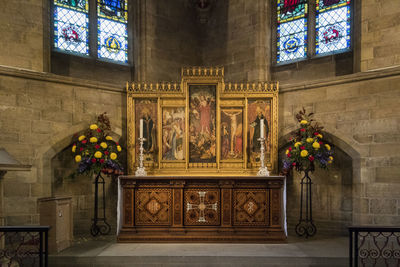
(93, 127)
(86, 152)
(113, 156)
(73, 149)
(328, 147)
(78, 158)
(93, 139)
(98, 154)
(304, 153)
(309, 140)
(81, 137)
(287, 151)
(319, 136)
(103, 145)
(316, 145)
(108, 138)
(303, 122)
(297, 144)
(119, 148)
(331, 158)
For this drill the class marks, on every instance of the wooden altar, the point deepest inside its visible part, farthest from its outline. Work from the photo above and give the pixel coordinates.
(201, 209)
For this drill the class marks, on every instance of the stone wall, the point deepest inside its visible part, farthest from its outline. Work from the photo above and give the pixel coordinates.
(22, 42)
(380, 40)
(39, 115)
(237, 36)
(361, 115)
(168, 40)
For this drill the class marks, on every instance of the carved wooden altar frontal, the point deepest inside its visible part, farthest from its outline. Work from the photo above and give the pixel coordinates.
(204, 209)
(202, 125)
(153, 206)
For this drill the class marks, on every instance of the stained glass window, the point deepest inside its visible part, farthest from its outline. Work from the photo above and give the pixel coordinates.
(71, 26)
(332, 26)
(291, 30)
(112, 34)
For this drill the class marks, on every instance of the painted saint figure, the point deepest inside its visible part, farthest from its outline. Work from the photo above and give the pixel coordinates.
(205, 115)
(148, 127)
(256, 125)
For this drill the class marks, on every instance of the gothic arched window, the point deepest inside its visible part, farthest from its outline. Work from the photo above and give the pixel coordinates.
(312, 28)
(96, 28)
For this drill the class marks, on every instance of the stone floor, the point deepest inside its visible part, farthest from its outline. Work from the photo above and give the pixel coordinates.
(317, 251)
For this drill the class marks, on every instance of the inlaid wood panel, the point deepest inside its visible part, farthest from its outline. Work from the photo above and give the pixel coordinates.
(153, 206)
(276, 207)
(202, 206)
(250, 207)
(128, 206)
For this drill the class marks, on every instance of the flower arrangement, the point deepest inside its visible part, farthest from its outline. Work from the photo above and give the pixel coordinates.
(96, 151)
(307, 148)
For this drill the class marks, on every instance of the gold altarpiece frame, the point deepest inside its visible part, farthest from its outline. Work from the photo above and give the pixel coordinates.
(202, 125)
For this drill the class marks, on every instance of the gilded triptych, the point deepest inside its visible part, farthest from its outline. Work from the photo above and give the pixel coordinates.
(202, 124)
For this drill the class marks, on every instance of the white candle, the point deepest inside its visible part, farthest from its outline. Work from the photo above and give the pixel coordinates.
(141, 128)
(262, 128)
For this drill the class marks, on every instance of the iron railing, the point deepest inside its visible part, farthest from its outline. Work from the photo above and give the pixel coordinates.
(24, 246)
(374, 246)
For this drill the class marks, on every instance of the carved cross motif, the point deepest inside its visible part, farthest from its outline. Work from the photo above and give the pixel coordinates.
(202, 206)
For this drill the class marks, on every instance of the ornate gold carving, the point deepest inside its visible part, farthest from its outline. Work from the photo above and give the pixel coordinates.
(250, 207)
(260, 87)
(203, 71)
(153, 206)
(158, 87)
(201, 206)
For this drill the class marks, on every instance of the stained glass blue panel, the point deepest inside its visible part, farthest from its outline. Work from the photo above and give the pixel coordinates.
(71, 30)
(291, 30)
(112, 29)
(292, 40)
(333, 26)
(113, 9)
(112, 40)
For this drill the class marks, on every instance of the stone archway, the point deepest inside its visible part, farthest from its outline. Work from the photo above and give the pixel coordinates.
(333, 191)
(54, 168)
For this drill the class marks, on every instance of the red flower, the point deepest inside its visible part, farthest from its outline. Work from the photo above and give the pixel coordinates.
(302, 147)
(117, 143)
(316, 133)
(93, 160)
(302, 130)
(80, 149)
(289, 155)
(106, 152)
(294, 164)
(98, 130)
(101, 161)
(320, 142)
(97, 146)
(290, 148)
(84, 141)
(311, 158)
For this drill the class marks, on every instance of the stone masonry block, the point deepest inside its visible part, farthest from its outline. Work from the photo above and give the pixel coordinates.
(359, 103)
(383, 206)
(19, 220)
(388, 175)
(390, 112)
(56, 115)
(13, 189)
(376, 126)
(382, 150)
(330, 106)
(19, 205)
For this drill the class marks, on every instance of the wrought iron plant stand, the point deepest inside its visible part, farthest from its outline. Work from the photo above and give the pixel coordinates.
(104, 228)
(306, 226)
